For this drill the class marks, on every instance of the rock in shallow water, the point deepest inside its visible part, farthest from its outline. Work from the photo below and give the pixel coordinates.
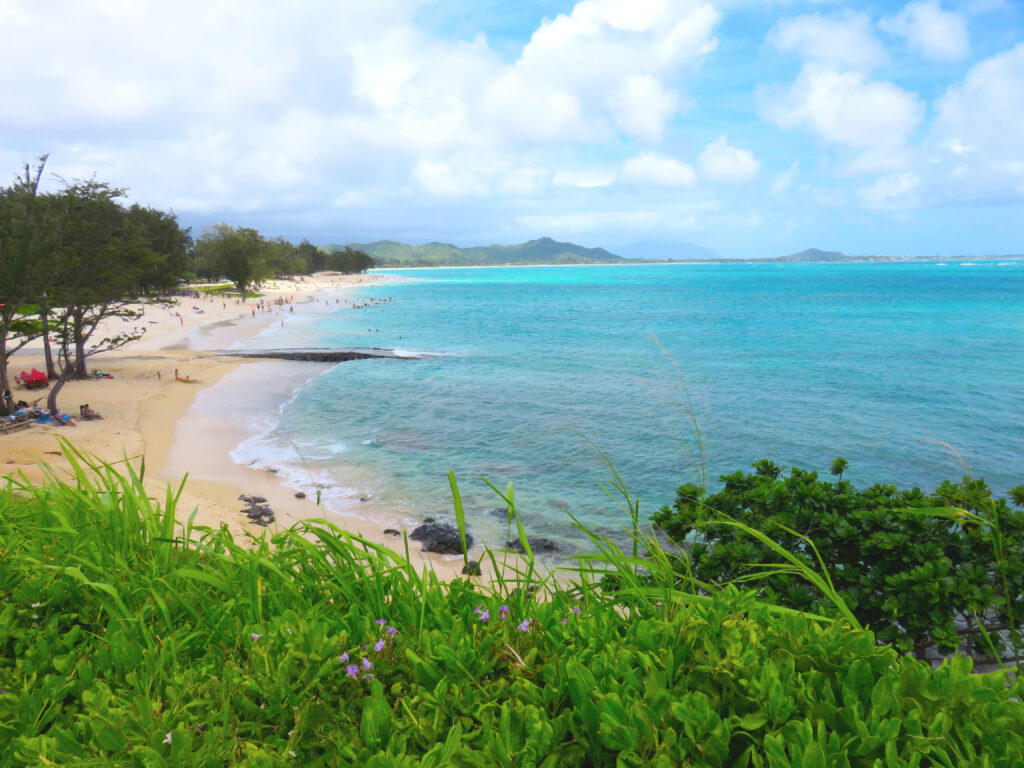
(536, 545)
(472, 568)
(440, 538)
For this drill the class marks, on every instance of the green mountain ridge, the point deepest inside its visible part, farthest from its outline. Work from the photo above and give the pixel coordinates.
(545, 250)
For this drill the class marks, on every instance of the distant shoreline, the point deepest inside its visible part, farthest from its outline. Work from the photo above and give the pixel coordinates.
(698, 262)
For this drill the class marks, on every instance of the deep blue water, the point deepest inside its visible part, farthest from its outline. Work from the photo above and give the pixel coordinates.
(912, 372)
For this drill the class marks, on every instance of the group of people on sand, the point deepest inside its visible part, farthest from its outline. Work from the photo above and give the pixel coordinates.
(35, 412)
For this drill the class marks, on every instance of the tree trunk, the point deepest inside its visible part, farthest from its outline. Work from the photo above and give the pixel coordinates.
(44, 315)
(79, 370)
(5, 385)
(51, 398)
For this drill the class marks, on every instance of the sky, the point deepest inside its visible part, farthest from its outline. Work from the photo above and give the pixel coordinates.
(744, 128)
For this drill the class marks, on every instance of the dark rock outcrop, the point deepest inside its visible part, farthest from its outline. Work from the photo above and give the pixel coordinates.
(441, 538)
(257, 510)
(538, 544)
(392, 532)
(472, 568)
(322, 355)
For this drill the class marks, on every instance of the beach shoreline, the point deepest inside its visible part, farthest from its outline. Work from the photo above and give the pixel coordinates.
(150, 410)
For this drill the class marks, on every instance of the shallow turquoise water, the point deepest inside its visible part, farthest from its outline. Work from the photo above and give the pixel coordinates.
(536, 368)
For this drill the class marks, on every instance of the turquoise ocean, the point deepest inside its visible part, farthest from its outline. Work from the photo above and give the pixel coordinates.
(555, 378)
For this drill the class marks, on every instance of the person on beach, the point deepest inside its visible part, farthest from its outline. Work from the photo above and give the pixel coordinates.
(85, 413)
(65, 419)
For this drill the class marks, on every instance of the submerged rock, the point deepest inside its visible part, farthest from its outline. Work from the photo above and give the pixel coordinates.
(472, 568)
(538, 544)
(300, 495)
(440, 538)
(392, 532)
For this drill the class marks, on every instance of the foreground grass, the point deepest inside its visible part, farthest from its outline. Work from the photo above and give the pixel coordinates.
(129, 638)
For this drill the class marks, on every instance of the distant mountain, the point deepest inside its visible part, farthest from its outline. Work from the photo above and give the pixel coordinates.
(816, 254)
(388, 253)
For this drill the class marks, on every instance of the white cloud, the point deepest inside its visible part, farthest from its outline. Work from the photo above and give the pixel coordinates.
(624, 47)
(844, 108)
(891, 193)
(603, 41)
(445, 180)
(641, 106)
(523, 181)
(929, 29)
(719, 161)
(348, 200)
(649, 168)
(848, 41)
(204, 101)
(783, 180)
(976, 142)
(574, 224)
(583, 178)
(518, 109)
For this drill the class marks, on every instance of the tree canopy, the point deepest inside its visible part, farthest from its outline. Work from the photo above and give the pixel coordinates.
(72, 258)
(919, 569)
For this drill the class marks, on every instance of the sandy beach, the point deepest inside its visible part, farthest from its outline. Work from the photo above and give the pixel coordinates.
(149, 413)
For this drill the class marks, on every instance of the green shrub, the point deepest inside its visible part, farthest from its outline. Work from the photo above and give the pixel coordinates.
(127, 638)
(916, 569)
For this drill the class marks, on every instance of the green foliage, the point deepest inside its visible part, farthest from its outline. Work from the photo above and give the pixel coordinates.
(312, 256)
(237, 254)
(127, 638)
(348, 260)
(916, 569)
(244, 256)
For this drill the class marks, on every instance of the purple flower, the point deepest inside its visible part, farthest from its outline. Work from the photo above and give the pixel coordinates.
(381, 622)
(391, 631)
(525, 626)
(254, 636)
(503, 612)
(576, 610)
(167, 738)
(352, 670)
(367, 664)
(478, 610)
(565, 621)
(380, 645)
(485, 616)
(344, 657)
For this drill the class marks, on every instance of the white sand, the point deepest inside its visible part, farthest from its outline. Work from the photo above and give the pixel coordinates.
(146, 412)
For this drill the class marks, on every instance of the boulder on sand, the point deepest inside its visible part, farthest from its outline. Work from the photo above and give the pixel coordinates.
(441, 538)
